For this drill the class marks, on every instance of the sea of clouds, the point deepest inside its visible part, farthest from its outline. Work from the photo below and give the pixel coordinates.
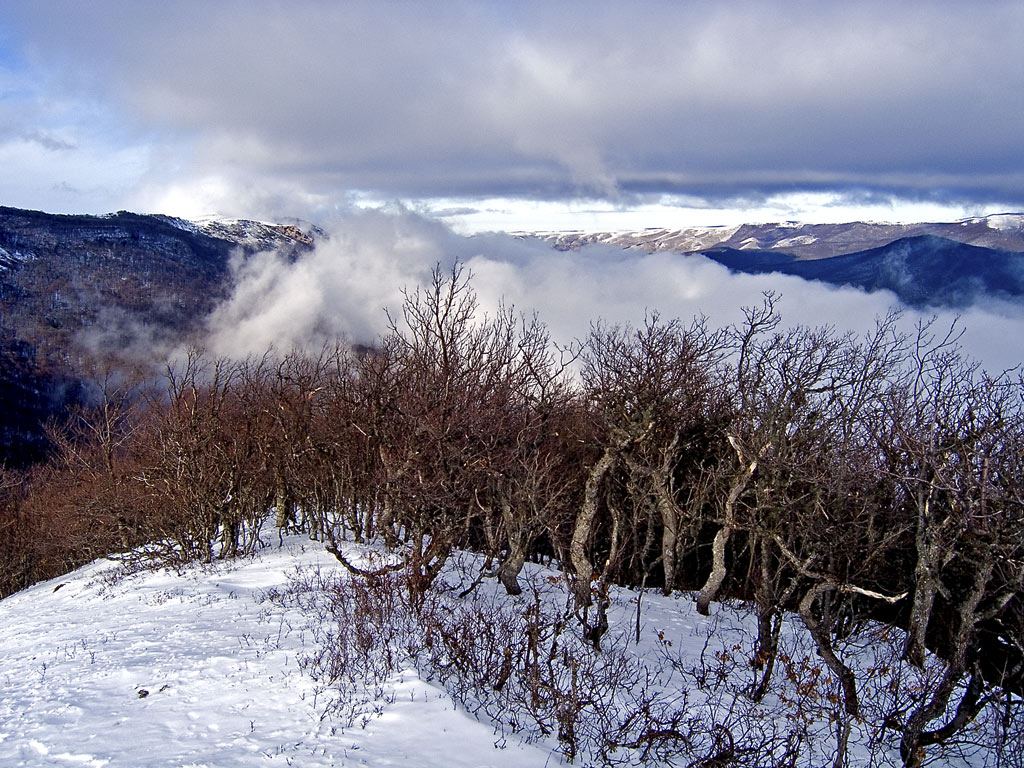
(346, 286)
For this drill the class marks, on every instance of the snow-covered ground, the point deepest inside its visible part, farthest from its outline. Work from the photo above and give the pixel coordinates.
(200, 669)
(203, 667)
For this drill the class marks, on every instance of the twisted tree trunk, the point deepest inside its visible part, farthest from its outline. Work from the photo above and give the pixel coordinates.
(718, 567)
(583, 570)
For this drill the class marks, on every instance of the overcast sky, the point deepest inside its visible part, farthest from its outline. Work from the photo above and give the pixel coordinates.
(534, 115)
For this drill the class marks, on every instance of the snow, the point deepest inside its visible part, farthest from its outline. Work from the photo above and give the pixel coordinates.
(9, 260)
(182, 224)
(1005, 221)
(651, 239)
(789, 242)
(204, 667)
(200, 669)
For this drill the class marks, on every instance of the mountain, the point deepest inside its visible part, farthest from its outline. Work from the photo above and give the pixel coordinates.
(925, 265)
(78, 291)
(803, 241)
(60, 275)
(75, 289)
(924, 271)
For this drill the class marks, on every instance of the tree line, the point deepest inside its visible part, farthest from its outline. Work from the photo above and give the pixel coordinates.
(850, 480)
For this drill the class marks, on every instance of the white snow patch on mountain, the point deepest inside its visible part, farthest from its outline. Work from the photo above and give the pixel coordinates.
(1005, 221)
(9, 260)
(789, 242)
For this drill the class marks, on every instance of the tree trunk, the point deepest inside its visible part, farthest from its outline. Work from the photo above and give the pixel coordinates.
(769, 629)
(669, 535)
(847, 679)
(821, 638)
(925, 583)
(583, 570)
(913, 741)
(718, 568)
(282, 503)
(512, 565)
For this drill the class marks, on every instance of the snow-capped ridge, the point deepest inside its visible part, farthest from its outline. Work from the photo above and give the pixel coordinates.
(801, 240)
(251, 234)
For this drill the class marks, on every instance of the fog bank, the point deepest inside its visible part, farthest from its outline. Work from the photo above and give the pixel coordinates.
(348, 283)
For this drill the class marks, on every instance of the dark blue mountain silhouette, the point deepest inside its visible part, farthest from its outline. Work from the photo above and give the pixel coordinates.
(924, 271)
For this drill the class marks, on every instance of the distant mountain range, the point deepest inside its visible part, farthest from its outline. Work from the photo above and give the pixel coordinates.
(77, 289)
(925, 265)
(805, 241)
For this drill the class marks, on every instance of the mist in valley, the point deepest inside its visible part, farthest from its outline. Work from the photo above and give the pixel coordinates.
(349, 285)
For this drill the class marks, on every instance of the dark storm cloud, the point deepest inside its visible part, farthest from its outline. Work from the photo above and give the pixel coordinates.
(550, 100)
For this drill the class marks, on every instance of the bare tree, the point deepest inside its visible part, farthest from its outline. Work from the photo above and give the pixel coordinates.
(958, 452)
(657, 400)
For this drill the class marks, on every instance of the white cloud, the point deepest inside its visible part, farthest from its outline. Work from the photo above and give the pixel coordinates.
(344, 285)
(340, 289)
(471, 215)
(542, 101)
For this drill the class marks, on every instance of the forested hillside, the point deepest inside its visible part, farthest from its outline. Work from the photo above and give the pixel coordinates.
(78, 293)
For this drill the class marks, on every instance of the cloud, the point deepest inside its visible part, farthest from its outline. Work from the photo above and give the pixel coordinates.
(540, 100)
(49, 141)
(340, 289)
(346, 283)
(56, 174)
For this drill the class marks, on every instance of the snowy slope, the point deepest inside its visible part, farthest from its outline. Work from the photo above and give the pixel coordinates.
(218, 664)
(202, 668)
